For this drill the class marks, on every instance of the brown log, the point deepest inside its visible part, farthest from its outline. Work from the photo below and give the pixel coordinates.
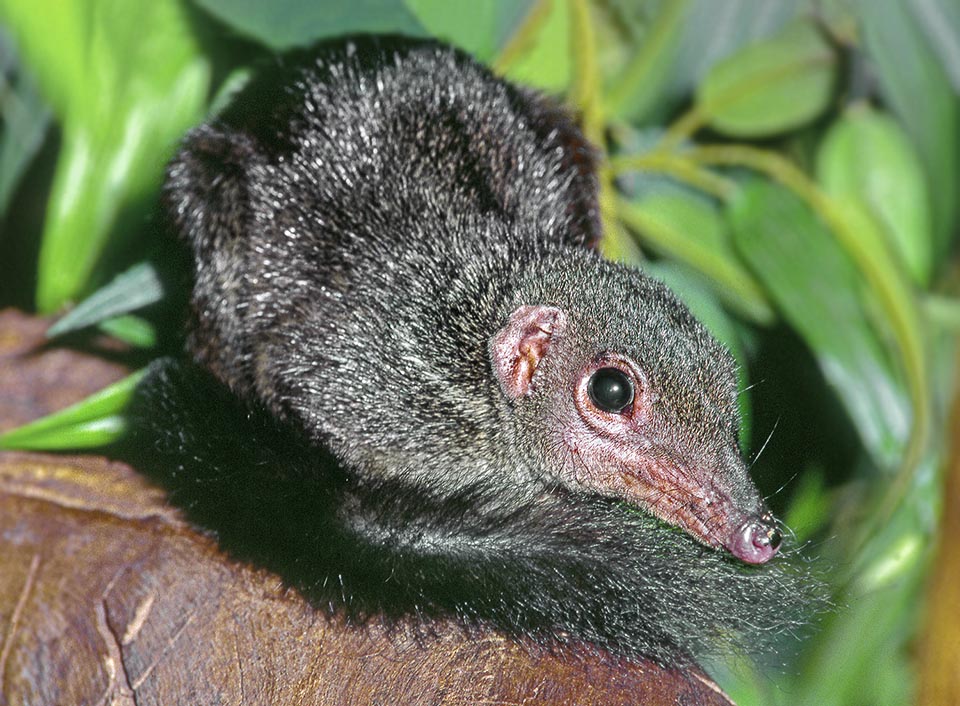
(109, 596)
(36, 378)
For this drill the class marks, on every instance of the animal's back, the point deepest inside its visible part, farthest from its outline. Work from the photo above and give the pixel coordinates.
(367, 182)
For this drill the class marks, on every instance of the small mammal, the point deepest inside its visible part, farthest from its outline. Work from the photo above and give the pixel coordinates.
(392, 258)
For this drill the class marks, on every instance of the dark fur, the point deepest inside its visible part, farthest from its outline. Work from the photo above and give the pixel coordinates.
(562, 568)
(362, 223)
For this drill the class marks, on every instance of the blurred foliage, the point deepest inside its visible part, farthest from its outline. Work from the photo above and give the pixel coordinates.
(790, 168)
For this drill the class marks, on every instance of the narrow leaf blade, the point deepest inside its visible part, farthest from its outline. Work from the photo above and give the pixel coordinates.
(134, 289)
(92, 422)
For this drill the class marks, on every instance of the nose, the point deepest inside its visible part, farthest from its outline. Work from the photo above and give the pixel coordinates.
(756, 540)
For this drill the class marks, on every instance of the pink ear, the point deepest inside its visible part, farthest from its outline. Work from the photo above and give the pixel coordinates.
(518, 347)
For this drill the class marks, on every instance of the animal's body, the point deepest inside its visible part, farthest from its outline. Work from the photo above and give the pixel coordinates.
(464, 407)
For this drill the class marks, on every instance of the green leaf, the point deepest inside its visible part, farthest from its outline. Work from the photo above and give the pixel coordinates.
(282, 24)
(126, 80)
(24, 118)
(479, 27)
(136, 288)
(547, 63)
(791, 252)
(915, 86)
(809, 507)
(640, 84)
(692, 230)
(769, 87)
(93, 422)
(713, 31)
(940, 20)
(858, 646)
(866, 158)
(131, 329)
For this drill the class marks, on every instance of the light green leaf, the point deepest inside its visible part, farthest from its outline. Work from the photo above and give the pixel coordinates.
(915, 86)
(479, 27)
(282, 24)
(126, 80)
(867, 159)
(136, 288)
(692, 230)
(769, 87)
(93, 422)
(547, 64)
(131, 329)
(816, 287)
(714, 31)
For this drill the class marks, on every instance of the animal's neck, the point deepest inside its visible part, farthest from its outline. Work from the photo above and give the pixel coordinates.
(548, 566)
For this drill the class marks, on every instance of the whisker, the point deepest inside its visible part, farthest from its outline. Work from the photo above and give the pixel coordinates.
(767, 441)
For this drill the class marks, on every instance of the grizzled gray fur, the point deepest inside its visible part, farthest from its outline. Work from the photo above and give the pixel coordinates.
(364, 222)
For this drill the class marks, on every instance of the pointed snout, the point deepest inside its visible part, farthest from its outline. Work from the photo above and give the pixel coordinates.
(756, 540)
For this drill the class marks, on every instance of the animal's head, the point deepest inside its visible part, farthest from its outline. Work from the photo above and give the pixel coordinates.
(621, 392)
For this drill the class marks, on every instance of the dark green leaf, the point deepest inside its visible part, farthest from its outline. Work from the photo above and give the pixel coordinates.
(692, 230)
(917, 89)
(282, 24)
(480, 27)
(867, 159)
(769, 87)
(136, 288)
(790, 251)
(23, 117)
(93, 422)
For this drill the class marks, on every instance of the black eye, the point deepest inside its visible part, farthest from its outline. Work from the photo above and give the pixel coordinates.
(610, 389)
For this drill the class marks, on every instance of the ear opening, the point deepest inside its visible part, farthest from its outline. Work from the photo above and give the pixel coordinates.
(519, 347)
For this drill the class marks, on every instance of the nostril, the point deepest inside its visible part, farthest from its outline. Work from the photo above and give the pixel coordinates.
(774, 537)
(768, 534)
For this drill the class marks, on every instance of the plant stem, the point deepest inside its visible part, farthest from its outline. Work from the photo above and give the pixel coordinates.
(679, 167)
(525, 36)
(637, 72)
(882, 275)
(585, 95)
